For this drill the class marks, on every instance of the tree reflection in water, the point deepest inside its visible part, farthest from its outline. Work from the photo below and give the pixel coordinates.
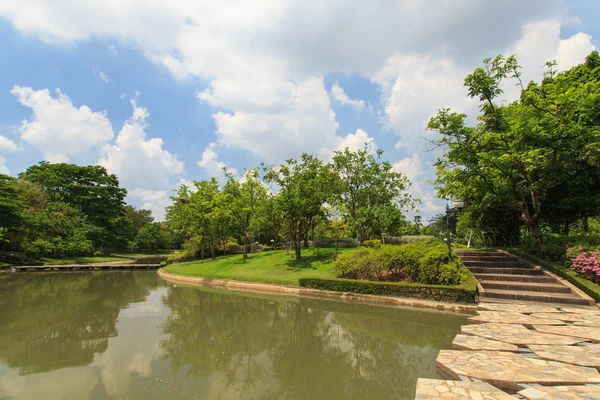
(270, 348)
(57, 320)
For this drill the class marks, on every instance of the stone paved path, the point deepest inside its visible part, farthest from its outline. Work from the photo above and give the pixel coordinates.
(521, 351)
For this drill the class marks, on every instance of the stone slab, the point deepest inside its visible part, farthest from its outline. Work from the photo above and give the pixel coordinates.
(586, 332)
(587, 323)
(520, 308)
(586, 356)
(575, 310)
(561, 392)
(467, 342)
(458, 390)
(567, 317)
(507, 370)
(513, 318)
(518, 335)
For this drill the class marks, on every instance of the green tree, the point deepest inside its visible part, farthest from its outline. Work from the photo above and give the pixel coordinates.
(137, 217)
(244, 199)
(518, 153)
(368, 190)
(304, 186)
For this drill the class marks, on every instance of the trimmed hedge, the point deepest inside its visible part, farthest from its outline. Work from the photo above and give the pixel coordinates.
(590, 288)
(330, 243)
(425, 292)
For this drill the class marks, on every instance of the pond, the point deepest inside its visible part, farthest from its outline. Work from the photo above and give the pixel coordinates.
(129, 334)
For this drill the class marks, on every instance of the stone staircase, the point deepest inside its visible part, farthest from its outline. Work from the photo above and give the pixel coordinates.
(504, 277)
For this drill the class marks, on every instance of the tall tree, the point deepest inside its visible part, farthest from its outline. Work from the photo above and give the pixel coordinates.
(304, 186)
(368, 189)
(519, 153)
(244, 198)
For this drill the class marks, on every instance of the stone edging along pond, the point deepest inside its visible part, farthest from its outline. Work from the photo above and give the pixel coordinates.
(307, 292)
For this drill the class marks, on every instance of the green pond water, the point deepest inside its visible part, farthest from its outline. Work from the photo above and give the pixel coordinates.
(131, 335)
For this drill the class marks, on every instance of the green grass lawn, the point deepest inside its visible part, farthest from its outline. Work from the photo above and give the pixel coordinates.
(267, 267)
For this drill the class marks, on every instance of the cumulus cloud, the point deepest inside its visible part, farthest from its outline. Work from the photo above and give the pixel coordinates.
(153, 200)
(3, 168)
(6, 144)
(339, 95)
(140, 162)
(57, 128)
(213, 167)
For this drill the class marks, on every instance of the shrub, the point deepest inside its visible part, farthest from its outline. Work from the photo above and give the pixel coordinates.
(39, 248)
(375, 243)
(406, 239)
(330, 243)
(422, 261)
(268, 248)
(557, 246)
(586, 262)
(428, 292)
(232, 248)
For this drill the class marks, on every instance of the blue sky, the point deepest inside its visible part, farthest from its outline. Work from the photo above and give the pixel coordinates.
(162, 93)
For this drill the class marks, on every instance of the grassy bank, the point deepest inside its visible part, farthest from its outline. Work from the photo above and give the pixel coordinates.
(266, 267)
(314, 271)
(151, 257)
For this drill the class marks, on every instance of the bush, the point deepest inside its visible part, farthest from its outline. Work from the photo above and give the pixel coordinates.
(586, 262)
(375, 243)
(232, 248)
(557, 246)
(330, 243)
(428, 292)
(421, 261)
(39, 248)
(406, 239)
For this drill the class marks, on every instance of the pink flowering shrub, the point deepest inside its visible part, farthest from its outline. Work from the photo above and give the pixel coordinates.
(586, 262)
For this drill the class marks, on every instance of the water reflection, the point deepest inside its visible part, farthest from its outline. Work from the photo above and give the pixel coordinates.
(130, 335)
(254, 347)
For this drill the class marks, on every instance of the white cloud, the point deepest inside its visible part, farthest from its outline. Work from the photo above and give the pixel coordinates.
(3, 169)
(6, 144)
(339, 95)
(138, 161)
(57, 128)
(411, 166)
(153, 200)
(212, 165)
(101, 75)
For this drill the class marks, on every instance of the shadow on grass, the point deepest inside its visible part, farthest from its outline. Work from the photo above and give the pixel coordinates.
(307, 260)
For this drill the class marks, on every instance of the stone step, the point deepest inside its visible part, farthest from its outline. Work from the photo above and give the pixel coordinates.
(515, 278)
(560, 298)
(511, 271)
(476, 253)
(486, 258)
(525, 286)
(496, 264)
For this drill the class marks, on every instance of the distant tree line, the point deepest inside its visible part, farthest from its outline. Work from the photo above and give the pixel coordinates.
(69, 210)
(357, 195)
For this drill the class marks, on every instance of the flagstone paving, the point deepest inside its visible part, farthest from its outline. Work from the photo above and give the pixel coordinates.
(587, 332)
(518, 334)
(561, 392)
(586, 356)
(513, 318)
(458, 390)
(568, 317)
(519, 308)
(518, 347)
(507, 370)
(466, 342)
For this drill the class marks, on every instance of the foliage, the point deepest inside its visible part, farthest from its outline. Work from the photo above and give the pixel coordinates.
(332, 243)
(374, 243)
(370, 193)
(422, 261)
(558, 245)
(232, 247)
(153, 236)
(406, 239)
(426, 292)
(520, 157)
(587, 263)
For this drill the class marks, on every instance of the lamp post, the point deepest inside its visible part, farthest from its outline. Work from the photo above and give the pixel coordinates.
(457, 205)
(273, 243)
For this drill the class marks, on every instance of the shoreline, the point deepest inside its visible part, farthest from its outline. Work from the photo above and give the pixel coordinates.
(314, 293)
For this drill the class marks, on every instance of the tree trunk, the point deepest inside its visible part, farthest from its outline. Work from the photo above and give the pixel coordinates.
(245, 247)
(306, 241)
(534, 229)
(298, 249)
(586, 226)
(212, 250)
(202, 251)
